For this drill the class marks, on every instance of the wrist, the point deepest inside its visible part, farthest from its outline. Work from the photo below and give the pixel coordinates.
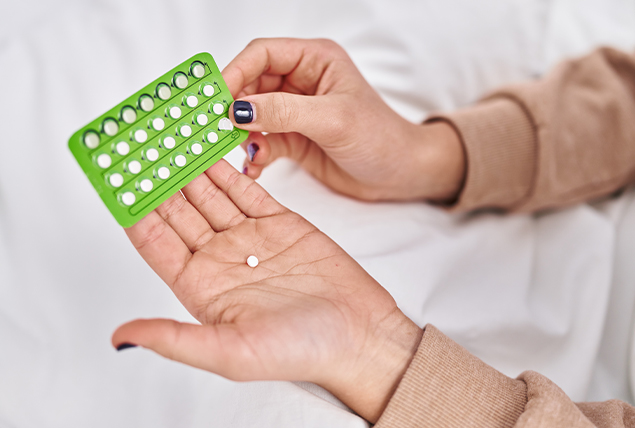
(367, 382)
(439, 161)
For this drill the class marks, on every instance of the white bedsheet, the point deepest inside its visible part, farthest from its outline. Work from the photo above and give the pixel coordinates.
(552, 293)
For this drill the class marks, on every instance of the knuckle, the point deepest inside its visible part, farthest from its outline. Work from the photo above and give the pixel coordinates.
(171, 206)
(152, 235)
(286, 111)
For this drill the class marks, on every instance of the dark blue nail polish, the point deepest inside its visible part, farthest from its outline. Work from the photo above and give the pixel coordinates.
(245, 170)
(243, 112)
(252, 149)
(125, 346)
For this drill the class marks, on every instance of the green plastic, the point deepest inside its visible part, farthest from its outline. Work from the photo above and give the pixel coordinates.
(103, 176)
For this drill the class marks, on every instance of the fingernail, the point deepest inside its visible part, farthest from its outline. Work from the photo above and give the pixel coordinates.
(252, 149)
(243, 112)
(125, 346)
(245, 170)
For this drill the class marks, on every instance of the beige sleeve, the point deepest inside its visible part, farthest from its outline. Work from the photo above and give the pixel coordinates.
(446, 386)
(565, 138)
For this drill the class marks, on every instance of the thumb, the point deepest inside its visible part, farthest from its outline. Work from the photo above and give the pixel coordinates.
(318, 117)
(215, 348)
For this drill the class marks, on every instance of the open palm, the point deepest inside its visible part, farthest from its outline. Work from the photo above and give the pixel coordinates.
(308, 311)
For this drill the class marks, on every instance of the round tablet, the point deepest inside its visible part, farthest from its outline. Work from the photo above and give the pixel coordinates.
(168, 142)
(208, 90)
(116, 179)
(180, 80)
(163, 91)
(201, 119)
(128, 114)
(211, 137)
(163, 173)
(140, 136)
(218, 108)
(225, 124)
(146, 185)
(174, 112)
(110, 126)
(152, 154)
(196, 149)
(197, 69)
(179, 160)
(134, 167)
(185, 130)
(158, 124)
(191, 101)
(146, 103)
(128, 198)
(122, 148)
(91, 140)
(104, 161)
(252, 261)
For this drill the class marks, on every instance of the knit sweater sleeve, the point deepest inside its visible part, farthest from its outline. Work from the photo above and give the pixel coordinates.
(446, 386)
(566, 138)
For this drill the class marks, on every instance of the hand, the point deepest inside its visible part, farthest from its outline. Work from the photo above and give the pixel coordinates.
(307, 312)
(318, 110)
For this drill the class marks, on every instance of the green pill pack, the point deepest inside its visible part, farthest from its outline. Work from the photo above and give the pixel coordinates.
(145, 149)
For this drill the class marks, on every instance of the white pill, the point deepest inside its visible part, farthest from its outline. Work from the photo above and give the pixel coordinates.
(116, 180)
(252, 261)
(122, 148)
(146, 102)
(146, 185)
(191, 101)
(158, 124)
(174, 112)
(196, 149)
(185, 130)
(218, 108)
(163, 91)
(225, 124)
(201, 119)
(134, 167)
(168, 142)
(140, 136)
(128, 114)
(208, 90)
(212, 137)
(152, 154)
(128, 198)
(91, 140)
(198, 70)
(104, 161)
(180, 80)
(180, 160)
(163, 173)
(111, 127)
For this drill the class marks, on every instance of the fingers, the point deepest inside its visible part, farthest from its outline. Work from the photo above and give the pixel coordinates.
(212, 203)
(303, 61)
(263, 150)
(216, 348)
(320, 118)
(160, 246)
(248, 196)
(186, 221)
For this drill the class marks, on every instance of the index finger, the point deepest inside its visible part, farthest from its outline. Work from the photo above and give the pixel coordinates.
(302, 60)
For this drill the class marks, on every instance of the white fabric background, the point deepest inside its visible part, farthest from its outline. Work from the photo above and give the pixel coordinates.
(552, 293)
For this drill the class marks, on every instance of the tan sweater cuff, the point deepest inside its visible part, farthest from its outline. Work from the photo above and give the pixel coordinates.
(500, 147)
(446, 386)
